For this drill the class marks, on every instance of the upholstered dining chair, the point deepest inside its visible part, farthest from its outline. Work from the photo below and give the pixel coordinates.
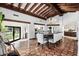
(40, 39)
(56, 37)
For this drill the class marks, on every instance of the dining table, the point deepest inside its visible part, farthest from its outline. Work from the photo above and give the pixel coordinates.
(48, 36)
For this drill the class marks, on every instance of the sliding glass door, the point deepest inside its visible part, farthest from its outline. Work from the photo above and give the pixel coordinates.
(17, 32)
(12, 33)
(8, 34)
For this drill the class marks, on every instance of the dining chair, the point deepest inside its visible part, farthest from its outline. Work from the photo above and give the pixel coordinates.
(40, 39)
(56, 37)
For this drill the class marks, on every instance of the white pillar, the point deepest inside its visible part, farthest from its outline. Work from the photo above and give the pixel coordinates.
(28, 36)
(62, 24)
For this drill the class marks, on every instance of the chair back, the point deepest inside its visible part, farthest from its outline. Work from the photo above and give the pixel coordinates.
(39, 37)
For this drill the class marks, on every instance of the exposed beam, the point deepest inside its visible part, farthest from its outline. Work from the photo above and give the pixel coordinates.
(29, 6)
(46, 11)
(37, 8)
(50, 14)
(69, 8)
(41, 9)
(19, 5)
(32, 7)
(26, 6)
(56, 7)
(68, 4)
(12, 4)
(19, 10)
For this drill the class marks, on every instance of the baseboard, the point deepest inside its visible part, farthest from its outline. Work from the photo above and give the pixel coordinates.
(32, 38)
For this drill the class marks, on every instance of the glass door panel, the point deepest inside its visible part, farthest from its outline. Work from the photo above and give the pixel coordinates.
(8, 34)
(17, 33)
(12, 33)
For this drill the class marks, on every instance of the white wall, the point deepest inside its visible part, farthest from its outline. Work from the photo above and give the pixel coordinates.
(69, 19)
(22, 17)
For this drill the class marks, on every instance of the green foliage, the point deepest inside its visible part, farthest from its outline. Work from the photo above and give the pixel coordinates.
(2, 27)
(1, 17)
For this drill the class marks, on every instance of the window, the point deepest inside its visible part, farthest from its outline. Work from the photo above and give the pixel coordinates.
(16, 33)
(12, 33)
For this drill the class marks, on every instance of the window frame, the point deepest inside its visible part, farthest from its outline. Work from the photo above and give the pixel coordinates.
(14, 33)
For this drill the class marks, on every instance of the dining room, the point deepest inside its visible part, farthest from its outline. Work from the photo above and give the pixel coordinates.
(39, 29)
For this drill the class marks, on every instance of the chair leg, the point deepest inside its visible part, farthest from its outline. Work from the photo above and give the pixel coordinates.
(38, 44)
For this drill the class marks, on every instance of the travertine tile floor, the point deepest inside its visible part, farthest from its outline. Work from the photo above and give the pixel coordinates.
(66, 48)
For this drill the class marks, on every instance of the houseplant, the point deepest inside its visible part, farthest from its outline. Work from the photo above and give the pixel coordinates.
(1, 25)
(2, 48)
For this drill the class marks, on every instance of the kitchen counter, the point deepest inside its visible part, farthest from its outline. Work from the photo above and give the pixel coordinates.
(70, 33)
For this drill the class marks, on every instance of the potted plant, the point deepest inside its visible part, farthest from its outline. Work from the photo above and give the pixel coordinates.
(1, 25)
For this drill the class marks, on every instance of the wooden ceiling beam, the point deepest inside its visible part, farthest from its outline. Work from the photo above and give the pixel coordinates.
(46, 11)
(69, 7)
(56, 7)
(41, 8)
(37, 8)
(50, 14)
(26, 6)
(32, 7)
(19, 10)
(19, 5)
(12, 4)
(68, 4)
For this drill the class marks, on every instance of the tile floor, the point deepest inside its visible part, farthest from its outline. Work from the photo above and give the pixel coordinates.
(66, 48)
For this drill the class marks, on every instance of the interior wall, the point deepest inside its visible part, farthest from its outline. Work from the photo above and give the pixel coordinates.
(69, 20)
(9, 14)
